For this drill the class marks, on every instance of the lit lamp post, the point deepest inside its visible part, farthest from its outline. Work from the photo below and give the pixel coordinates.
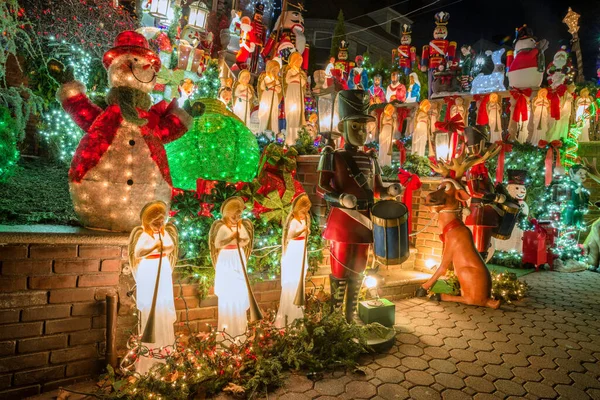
(198, 16)
(160, 8)
(442, 145)
(328, 114)
(572, 22)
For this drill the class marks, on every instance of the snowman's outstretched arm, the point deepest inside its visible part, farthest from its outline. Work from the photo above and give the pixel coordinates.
(174, 122)
(76, 103)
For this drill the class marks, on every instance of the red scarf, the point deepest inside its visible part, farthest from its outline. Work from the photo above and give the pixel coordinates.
(506, 148)
(410, 182)
(521, 96)
(553, 147)
(482, 114)
(554, 97)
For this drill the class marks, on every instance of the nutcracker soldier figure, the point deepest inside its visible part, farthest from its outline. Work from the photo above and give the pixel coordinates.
(349, 180)
(342, 62)
(259, 31)
(287, 36)
(439, 50)
(483, 217)
(405, 54)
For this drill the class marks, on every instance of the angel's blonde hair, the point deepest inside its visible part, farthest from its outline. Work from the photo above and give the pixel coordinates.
(302, 201)
(153, 211)
(235, 201)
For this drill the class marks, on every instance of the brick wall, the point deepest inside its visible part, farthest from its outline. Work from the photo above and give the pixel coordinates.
(52, 312)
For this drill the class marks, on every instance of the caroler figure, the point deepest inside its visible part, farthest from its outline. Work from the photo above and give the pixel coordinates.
(387, 128)
(294, 83)
(153, 251)
(231, 241)
(243, 97)
(494, 112)
(294, 262)
(583, 114)
(269, 92)
(422, 128)
(540, 120)
(349, 180)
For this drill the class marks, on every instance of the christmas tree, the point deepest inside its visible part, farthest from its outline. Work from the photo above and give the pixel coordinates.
(209, 83)
(339, 34)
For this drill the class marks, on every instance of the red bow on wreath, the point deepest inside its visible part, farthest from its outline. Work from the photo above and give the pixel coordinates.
(454, 124)
(410, 182)
(553, 147)
(554, 97)
(521, 96)
(482, 114)
(504, 148)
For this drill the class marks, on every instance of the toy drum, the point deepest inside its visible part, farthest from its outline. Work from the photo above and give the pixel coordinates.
(390, 232)
(509, 216)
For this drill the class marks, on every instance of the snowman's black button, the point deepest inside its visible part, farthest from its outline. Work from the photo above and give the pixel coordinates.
(132, 142)
(130, 182)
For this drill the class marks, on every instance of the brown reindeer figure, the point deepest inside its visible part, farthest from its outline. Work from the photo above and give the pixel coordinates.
(459, 248)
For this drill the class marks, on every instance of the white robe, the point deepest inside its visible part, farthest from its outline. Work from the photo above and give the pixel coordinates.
(494, 111)
(386, 137)
(420, 133)
(268, 111)
(560, 129)
(294, 106)
(582, 105)
(539, 121)
(145, 279)
(291, 268)
(243, 103)
(230, 284)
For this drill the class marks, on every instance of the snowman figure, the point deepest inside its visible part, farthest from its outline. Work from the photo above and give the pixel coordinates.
(516, 190)
(120, 163)
(526, 64)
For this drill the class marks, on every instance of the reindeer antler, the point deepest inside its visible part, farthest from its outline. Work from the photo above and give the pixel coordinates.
(461, 164)
(592, 170)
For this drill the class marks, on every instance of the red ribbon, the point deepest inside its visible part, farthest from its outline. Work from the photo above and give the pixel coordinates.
(482, 114)
(554, 97)
(521, 96)
(553, 147)
(454, 124)
(450, 101)
(402, 150)
(410, 182)
(402, 113)
(505, 148)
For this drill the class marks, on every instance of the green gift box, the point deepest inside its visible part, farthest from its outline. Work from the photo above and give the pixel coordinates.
(382, 311)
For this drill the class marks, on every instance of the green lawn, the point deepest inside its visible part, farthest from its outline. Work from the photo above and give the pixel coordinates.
(38, 193)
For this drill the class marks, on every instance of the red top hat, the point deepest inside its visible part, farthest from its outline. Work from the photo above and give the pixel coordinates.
(131, 42)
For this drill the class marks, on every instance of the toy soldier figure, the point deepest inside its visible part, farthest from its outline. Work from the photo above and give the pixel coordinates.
(405, 54)
(287, 35)
(439, 50)
(260, 31)
(349, 180)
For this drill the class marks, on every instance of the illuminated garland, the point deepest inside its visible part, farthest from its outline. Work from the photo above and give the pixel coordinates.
(9, 154)
(575, 129)
(209, 83)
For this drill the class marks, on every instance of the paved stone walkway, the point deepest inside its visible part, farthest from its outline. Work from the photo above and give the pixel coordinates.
(545, 347)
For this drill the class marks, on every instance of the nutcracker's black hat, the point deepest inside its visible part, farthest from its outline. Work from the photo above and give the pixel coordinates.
(354, 105)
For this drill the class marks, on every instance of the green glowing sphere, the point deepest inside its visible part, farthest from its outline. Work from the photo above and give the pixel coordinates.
(218, 146)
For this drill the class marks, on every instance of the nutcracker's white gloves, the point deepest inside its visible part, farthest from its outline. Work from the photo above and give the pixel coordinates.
(348, 200)
(394, 189)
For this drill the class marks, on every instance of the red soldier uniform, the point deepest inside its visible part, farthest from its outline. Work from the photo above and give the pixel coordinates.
(439, 50)
(342, 62)
(350, 180)
(405, 53)
(259, 30)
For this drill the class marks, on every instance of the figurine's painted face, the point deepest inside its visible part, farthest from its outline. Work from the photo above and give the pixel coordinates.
(459, 101)
(465, 51)
(244, 77)
(493, 98)
(355, 131)
(377, 81)
(411, 80)
(331, 60)
(226, 96)
(543, 93)
(359, 62)
(394, 77)
(233, 214)
(389, 110)
(405, 40)
(580, 176)
(516, 191)
(440, 32)
(131, 70)
(293, 20)
(441, 67)
(584, 92)
(560, 60)
(158, 223)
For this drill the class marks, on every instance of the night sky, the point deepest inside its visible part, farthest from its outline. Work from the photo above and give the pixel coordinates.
(471, 20)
